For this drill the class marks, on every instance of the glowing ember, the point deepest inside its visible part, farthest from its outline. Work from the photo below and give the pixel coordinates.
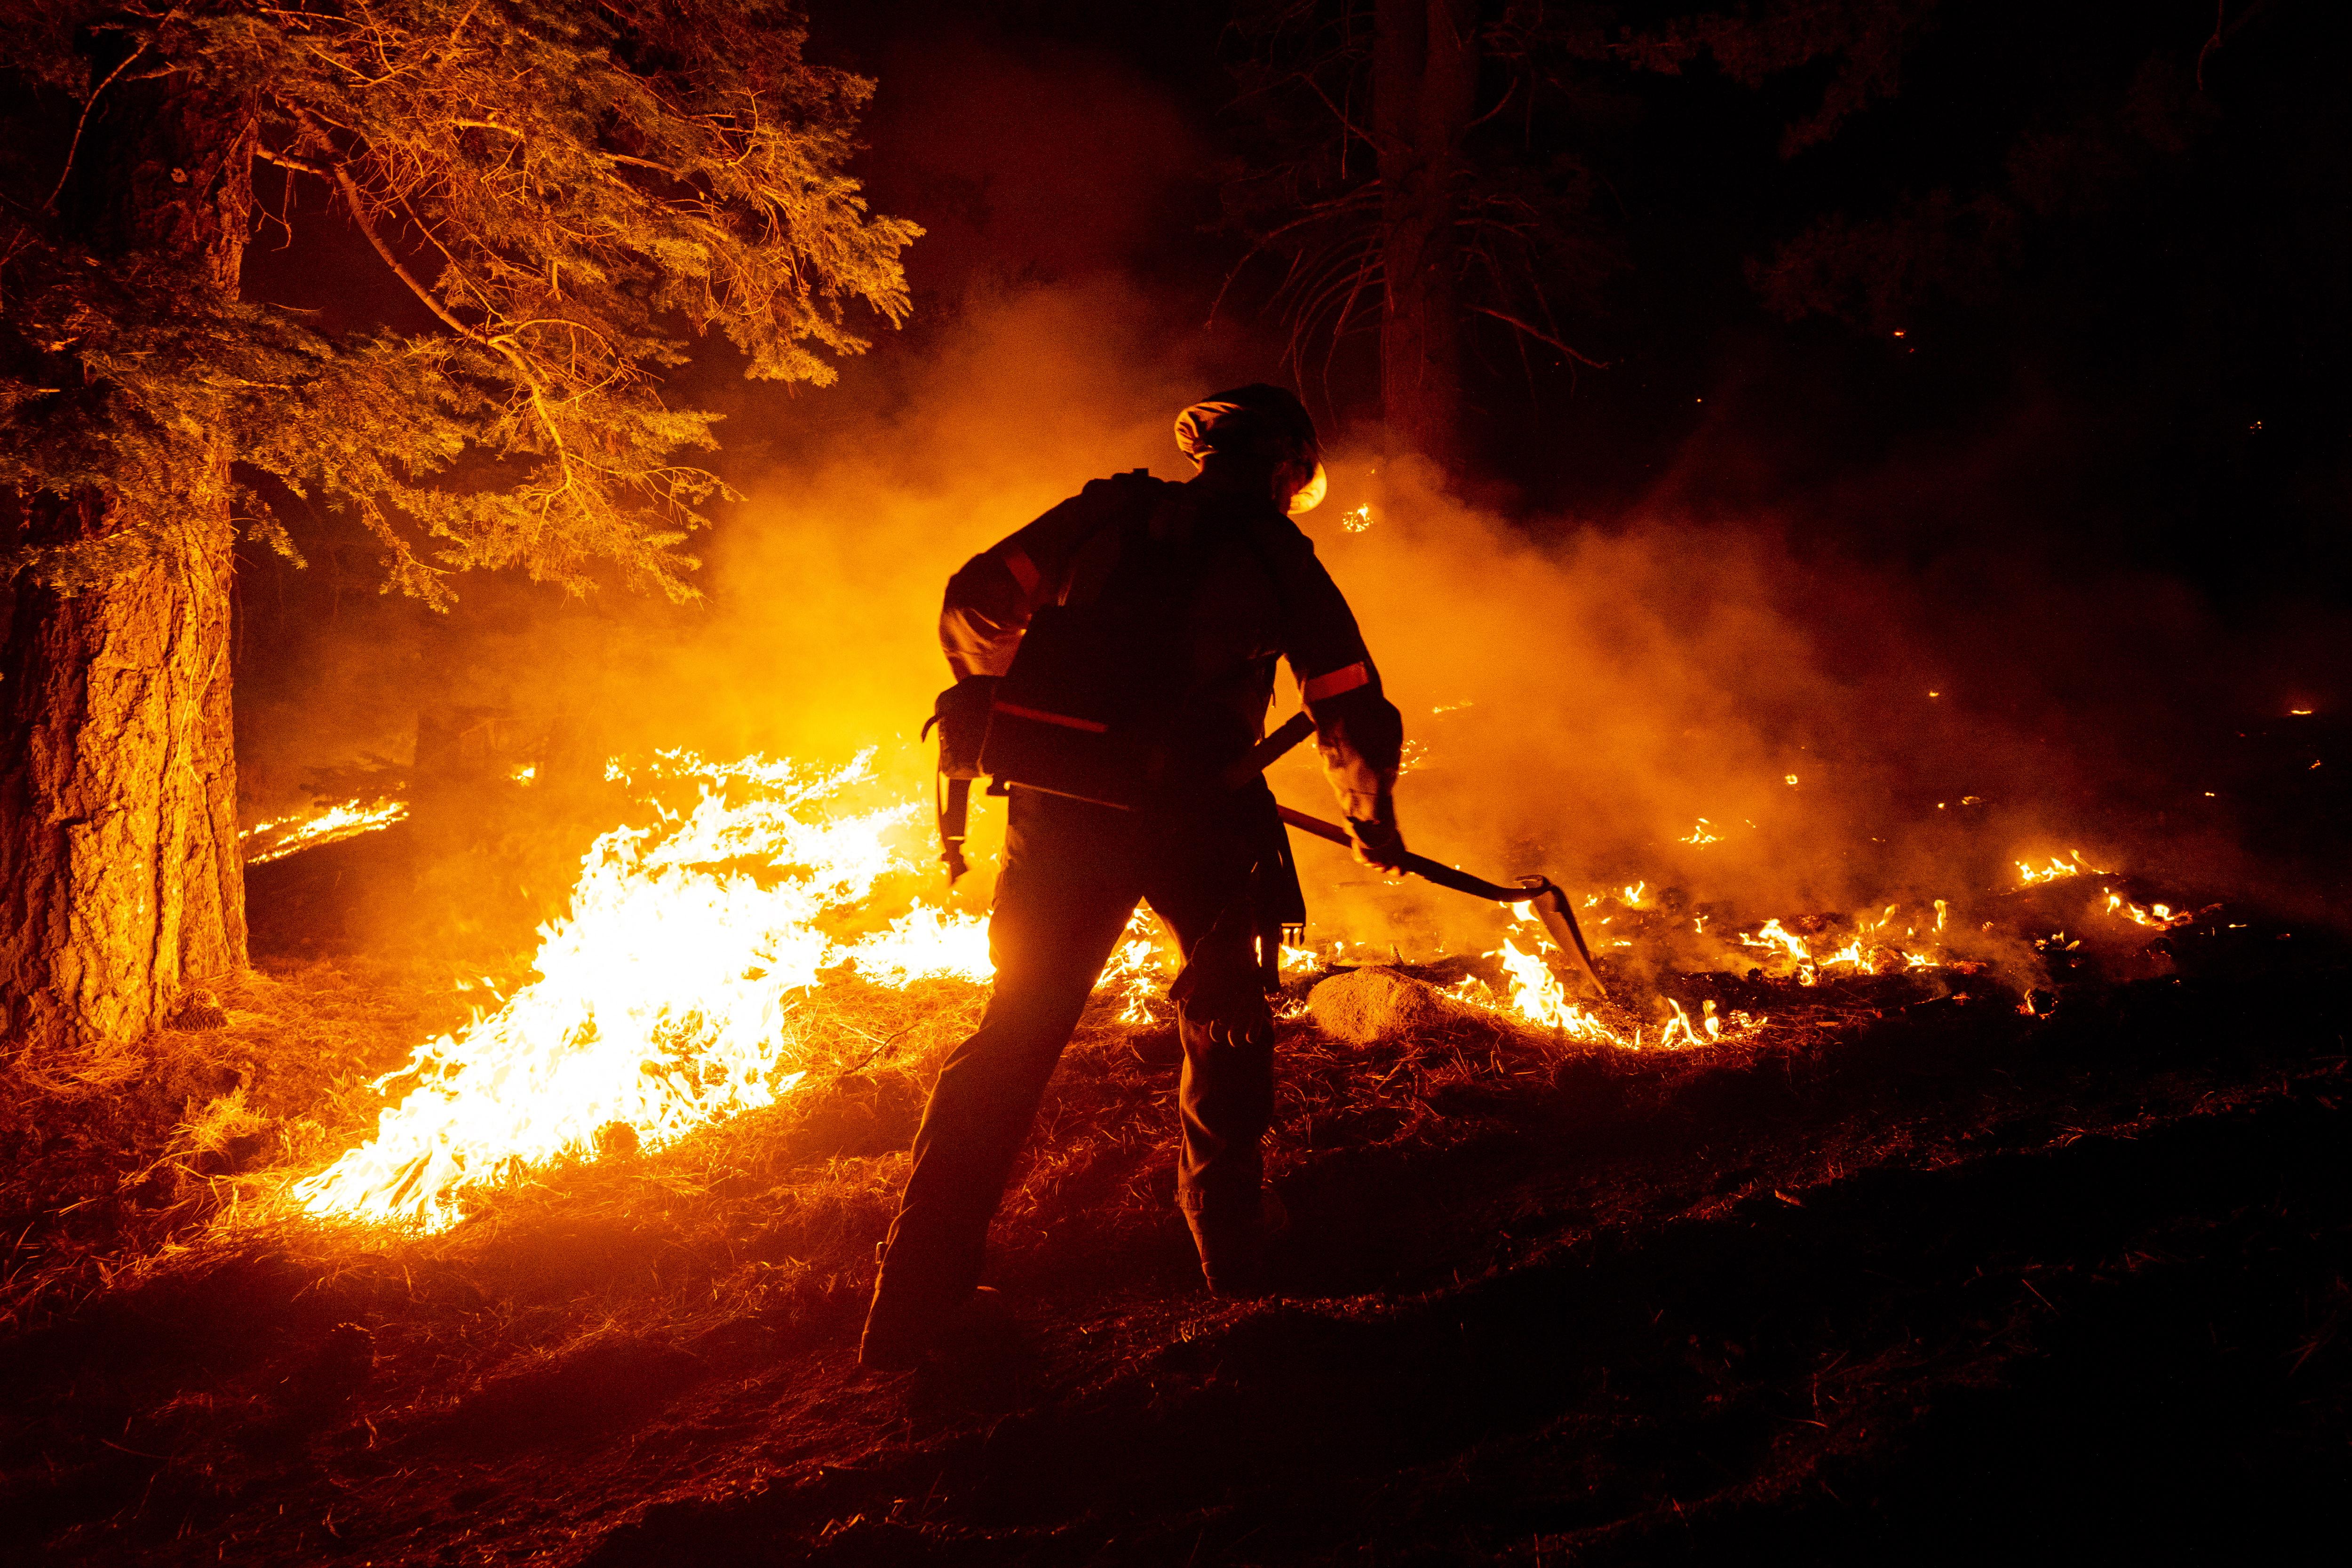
(1700, 834)
(1358, 520)
(281, 836)
(667, 997)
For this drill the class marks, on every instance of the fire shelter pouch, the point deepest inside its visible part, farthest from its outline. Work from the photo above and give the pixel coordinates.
(1084, 712)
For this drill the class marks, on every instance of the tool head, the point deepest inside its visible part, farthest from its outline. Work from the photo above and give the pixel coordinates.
(1552, 907)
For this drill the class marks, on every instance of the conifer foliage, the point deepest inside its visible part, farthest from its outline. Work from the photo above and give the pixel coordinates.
(568, 188)
(571, 191)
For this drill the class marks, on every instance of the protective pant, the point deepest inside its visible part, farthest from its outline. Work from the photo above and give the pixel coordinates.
(1072, 875)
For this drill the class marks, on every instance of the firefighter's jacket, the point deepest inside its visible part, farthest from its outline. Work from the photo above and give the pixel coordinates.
(1260, 595)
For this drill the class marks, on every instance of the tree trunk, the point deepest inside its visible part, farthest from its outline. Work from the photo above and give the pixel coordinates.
(1424, 74)
(118, 862)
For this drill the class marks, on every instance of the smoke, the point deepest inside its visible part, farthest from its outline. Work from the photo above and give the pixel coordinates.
(1665, 699)
(1695, 704)
(1740, 700)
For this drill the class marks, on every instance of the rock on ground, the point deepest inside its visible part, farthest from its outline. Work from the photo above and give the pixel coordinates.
(1367, 1006)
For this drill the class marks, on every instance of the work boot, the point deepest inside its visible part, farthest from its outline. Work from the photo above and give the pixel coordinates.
(901, 1340)
(1233, 1246)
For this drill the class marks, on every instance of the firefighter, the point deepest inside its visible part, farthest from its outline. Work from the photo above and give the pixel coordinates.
(1195, 591)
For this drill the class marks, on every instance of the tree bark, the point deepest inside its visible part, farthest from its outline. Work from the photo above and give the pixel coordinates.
(121, 881)
(1424, 76)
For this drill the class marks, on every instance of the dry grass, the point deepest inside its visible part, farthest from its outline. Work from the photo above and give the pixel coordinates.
(152, 1193)
(114, 1159)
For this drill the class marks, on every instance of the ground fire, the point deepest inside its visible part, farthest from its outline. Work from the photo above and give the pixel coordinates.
(679, 985)
(1594, 755)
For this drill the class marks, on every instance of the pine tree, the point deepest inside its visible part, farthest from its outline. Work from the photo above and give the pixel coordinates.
(573, 191)
(1417, 168)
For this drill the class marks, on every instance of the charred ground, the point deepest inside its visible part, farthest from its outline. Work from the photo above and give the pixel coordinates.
(1913, 1270)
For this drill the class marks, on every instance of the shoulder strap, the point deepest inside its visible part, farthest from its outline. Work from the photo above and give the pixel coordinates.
(1096, 556)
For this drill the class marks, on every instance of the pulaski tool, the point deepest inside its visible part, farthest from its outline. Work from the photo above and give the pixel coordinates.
(1552, 905)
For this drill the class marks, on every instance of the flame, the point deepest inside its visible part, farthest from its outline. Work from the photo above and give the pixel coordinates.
(676, 990)
(2057, 868)
(1774, 935)
(281, 836)
(666, 998)
(1680, 1025)
(2158, 917)
(1358, 520)
(1537, 997)
(1135, 973)
(1869, 952)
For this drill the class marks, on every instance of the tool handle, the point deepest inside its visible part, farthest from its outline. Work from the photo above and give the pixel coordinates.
(1262, 757)
(1419, 864)
(1550, 905)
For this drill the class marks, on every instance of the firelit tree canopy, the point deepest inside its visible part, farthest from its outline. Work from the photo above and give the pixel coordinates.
(571, 193)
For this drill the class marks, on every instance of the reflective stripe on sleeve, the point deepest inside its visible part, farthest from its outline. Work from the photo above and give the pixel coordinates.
(1025, 571)
(1337, 681)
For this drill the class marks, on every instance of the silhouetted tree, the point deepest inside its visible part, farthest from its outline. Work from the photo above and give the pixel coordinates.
(1416, 169)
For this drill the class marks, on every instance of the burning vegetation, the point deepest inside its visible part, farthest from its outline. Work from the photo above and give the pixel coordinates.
(616, 1222)
(691, 977)
(1944, 1146)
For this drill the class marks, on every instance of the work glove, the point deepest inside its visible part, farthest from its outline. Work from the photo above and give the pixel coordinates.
(1371, 819)
(1220, 994)
(961, 713)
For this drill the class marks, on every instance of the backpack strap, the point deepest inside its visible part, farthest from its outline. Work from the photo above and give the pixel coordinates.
(1137, 496)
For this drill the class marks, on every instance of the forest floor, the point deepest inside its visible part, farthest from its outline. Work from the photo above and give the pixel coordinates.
(1913, 1272)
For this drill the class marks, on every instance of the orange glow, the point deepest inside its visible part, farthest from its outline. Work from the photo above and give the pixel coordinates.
(281, 836)
(678, 989)
(2158, 917)
(2033, 876)
(664, 999)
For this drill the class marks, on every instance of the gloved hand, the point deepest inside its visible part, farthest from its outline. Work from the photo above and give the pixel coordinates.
(1220, 996)
(961, 713)
(1371, 818)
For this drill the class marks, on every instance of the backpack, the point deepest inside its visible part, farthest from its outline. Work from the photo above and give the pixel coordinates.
(1087, 708)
